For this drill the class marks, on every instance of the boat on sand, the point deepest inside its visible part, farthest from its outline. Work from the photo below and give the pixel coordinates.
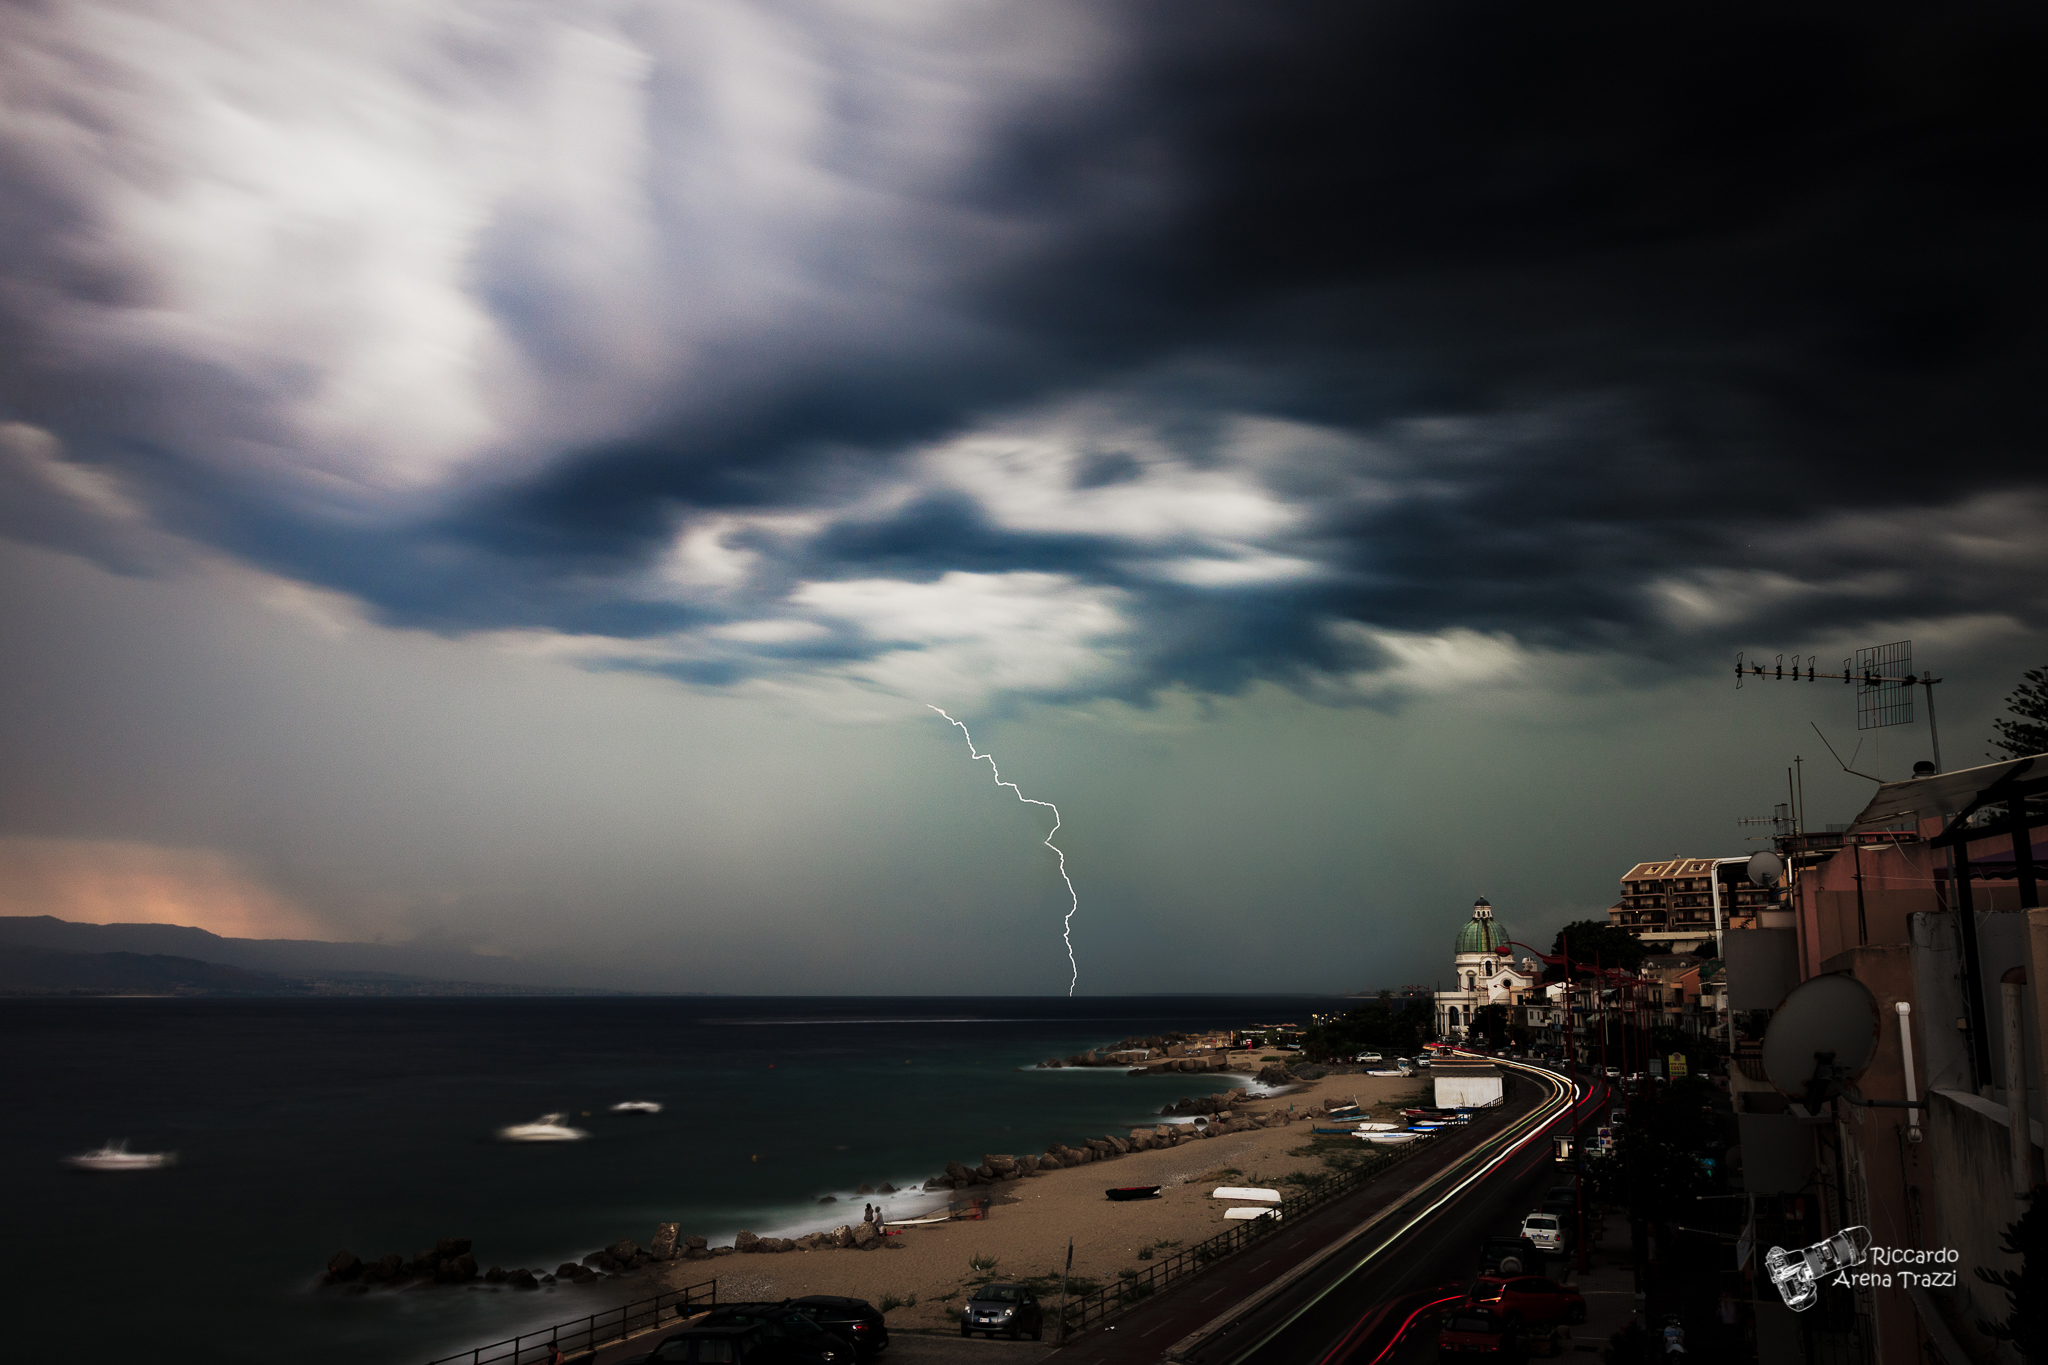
(637, 1107)
(1249, 1196)
(1122, 1192)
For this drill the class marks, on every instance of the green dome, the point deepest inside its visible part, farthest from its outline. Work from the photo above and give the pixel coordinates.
(1482, 933)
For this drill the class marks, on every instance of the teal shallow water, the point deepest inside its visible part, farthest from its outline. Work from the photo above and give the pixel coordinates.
(303, 1127)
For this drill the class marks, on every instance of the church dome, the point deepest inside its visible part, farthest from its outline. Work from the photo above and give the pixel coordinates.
(1482, 933)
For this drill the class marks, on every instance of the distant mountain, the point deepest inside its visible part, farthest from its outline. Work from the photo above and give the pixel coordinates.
(40, 954)
(46, 971)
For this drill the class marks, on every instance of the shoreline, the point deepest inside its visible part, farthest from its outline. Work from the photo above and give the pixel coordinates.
(923, 1273)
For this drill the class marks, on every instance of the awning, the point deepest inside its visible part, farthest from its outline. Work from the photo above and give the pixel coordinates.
(1945, 794)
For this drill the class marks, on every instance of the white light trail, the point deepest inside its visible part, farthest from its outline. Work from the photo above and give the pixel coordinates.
(1066, 925)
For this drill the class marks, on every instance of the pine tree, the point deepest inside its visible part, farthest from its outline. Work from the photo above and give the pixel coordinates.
(2026, 1289)
(2029, 701)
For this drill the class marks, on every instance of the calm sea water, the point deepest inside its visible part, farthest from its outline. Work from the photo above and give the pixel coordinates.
(304, 1127)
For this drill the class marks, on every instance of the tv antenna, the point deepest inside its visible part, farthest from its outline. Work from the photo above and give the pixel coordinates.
(1883, 678)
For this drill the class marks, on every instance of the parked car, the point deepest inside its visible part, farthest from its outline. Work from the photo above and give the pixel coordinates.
(1546, 1230)
(787, 1328)
(1509, 1256)
(1529, 1299)
(1613, 1073)
(857, 1320)
(1472, 1332)
(744, 1343)
(1010, 1309)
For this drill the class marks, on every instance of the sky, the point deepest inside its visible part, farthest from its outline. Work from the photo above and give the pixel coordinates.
(514, 477)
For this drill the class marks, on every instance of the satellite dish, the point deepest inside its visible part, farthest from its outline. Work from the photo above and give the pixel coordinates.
(1828, 1014)
(1765, 868)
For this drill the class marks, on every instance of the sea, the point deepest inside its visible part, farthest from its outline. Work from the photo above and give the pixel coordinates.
(305, 1127)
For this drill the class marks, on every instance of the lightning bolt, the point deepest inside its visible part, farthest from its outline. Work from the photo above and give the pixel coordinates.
(1066, 925)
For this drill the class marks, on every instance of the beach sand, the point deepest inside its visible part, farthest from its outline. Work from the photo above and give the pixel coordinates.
(1030, 1219)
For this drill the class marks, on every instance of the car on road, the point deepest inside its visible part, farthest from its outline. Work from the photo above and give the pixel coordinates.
(1529, 1300)
(1472, 1332)
(787, 1328)
(1546, 1230)
(1509, 1256)
(744, 1343)
(1613, 1073)
(1011, 1309)
(859, 1322)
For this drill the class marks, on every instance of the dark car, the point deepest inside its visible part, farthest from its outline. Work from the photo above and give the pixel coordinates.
(1474, 1333)
(1509, 1256)
(750, 1334)
(857, 1320)
(1529, 1299)
(746, 1343)
(1007, 1308)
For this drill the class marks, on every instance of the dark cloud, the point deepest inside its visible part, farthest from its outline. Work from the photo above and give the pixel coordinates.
(1599, 308)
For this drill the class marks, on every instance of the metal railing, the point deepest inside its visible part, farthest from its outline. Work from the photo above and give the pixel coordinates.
(601, 1328)
(1099, 1305)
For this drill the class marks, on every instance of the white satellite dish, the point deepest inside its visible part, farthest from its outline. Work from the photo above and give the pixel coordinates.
(1765, 868)
(1832, 1017)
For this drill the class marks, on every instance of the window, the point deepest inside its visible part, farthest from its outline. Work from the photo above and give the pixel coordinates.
(1471, 982)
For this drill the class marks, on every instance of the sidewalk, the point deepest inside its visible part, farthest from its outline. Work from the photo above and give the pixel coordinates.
(1608, 1287)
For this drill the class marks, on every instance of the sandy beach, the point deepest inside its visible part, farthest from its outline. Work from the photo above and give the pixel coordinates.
(928, 1271)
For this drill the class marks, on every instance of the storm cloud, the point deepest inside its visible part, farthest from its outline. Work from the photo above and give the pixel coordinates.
(1060, 351)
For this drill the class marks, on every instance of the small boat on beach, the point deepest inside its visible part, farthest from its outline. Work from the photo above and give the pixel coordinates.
(1245, 1215)
(1390, 1139)
(917, 1222)
(637, 1107)
(115, 1156)
(546, 1128)
(1249, 1196)
(1123, 1192)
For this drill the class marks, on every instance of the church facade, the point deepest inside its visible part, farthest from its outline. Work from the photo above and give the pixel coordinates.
(1486, 972)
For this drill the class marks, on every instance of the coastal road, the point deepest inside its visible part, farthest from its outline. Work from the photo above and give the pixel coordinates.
(1354, 1312)
(1295, 1274)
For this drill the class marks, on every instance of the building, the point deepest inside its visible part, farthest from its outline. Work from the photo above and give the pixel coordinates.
(1930, 901)
(1485, 972)
(1670, 905)
(1462, 1086)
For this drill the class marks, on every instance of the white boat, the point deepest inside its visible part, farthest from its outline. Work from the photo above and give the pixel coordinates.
(1390, 1139)
(916, 1222)
(115, 1156)
(1245, 1215)
(546, 1128)
(1364, 1128)
(637, 1107)
(1248, 1195)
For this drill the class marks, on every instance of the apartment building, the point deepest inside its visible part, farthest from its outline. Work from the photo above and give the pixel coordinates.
(1669, 905)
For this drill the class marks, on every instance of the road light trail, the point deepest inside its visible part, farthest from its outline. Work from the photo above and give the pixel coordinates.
(1067, 924)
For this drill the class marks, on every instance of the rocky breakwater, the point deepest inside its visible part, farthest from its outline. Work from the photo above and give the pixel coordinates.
(451, 1262)
(1118, 1053)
